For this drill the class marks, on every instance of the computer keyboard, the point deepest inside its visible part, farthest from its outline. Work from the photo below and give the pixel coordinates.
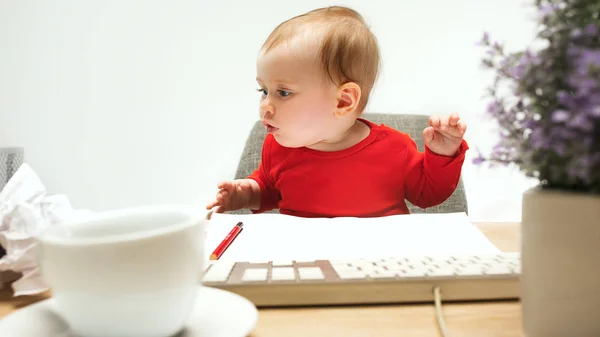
(369, 281)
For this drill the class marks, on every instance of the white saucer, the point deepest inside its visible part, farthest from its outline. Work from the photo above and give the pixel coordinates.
(219, 313)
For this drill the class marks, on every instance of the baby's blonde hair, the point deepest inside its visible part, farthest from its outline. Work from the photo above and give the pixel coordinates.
(348, 49)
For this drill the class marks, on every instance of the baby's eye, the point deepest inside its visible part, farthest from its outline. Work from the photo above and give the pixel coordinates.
(262, 91)
(284, 93)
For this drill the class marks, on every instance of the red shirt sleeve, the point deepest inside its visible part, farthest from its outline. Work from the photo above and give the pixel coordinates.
(431, 178)
(269, 195)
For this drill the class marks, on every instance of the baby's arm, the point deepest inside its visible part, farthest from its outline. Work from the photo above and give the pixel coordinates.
(264, 185)
(237, 194)
(431, 178)
(255, 194)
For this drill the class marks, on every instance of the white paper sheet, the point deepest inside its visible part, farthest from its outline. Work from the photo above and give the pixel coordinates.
(268, 237)
(25, 209)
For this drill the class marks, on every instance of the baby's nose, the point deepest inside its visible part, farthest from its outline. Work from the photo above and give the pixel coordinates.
(266, 109)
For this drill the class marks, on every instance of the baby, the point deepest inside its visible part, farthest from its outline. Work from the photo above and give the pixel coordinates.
(320, 158)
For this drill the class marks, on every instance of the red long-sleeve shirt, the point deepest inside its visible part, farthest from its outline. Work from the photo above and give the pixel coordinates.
(369, 179)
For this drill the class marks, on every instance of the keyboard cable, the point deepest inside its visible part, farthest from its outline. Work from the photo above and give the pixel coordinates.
(438, 309)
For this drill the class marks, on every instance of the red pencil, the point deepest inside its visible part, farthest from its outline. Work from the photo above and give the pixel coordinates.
(227, 241)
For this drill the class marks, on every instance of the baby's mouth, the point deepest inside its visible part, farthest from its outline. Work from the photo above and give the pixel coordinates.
(270, 128)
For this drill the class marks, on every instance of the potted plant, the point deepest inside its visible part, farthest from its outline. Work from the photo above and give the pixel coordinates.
(546, 102)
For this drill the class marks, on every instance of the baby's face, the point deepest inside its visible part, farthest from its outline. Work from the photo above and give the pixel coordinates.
(297, 103)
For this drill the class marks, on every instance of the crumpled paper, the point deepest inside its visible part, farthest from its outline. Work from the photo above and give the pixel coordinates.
(25, 209)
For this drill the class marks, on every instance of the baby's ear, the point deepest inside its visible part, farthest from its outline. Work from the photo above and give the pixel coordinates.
(348, 99)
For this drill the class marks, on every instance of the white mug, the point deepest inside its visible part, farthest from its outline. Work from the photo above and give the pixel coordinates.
(130, 272)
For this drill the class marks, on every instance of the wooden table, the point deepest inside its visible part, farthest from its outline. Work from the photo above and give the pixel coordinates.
(497, 319)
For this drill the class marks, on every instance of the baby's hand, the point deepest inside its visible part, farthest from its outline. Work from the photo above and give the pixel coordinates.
(232, 195)
(445, 134)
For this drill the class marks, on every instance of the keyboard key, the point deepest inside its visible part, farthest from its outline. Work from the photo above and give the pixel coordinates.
(258, 261)
(218, 272)
(343, 268)
(368, 268)
(437, 259)
(489, 257)
(394, 267)
(223, 265)
(441, 271)
(311, 273)
(382, 274)
(464, 258)
(517, 269)
(390, 265)
(352, 275)
(216, 275)
(342, 263)
(474, 270)
(411, 272)
(364, 264)
(282, 263)
(255, 274)
(417, 267)
(420, 261)
(498, 271)
(512, 263)
(283, 274)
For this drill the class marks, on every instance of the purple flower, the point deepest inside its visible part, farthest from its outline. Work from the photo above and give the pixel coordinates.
(530, 123)
(537, 139)
(485, 40)
(547, 101)
(559, 148)
(594, 98)
(585, 61)
(531, 58)
(574, 172)
(494, 108)
(497, 46)
(478, 160)
(517, 71)
(503, 153)
(581, 167)
(581, 122)
(590, 30)
(504, 62)
(560, 116)
(589, 58)
(590, 104)
(582, 85)
(573, 51)
(547, 9)
(564, 134)
(565, 99)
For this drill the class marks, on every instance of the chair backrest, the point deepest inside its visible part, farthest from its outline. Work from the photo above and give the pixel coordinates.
(410, 124)
(11, 159)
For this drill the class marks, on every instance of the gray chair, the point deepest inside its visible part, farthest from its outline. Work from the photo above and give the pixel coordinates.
(410, 124)
(11, 159)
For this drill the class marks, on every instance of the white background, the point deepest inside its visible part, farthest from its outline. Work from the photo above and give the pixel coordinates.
(121, 103)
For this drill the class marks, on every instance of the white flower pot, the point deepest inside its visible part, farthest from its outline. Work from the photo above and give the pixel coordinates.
(560, 281)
